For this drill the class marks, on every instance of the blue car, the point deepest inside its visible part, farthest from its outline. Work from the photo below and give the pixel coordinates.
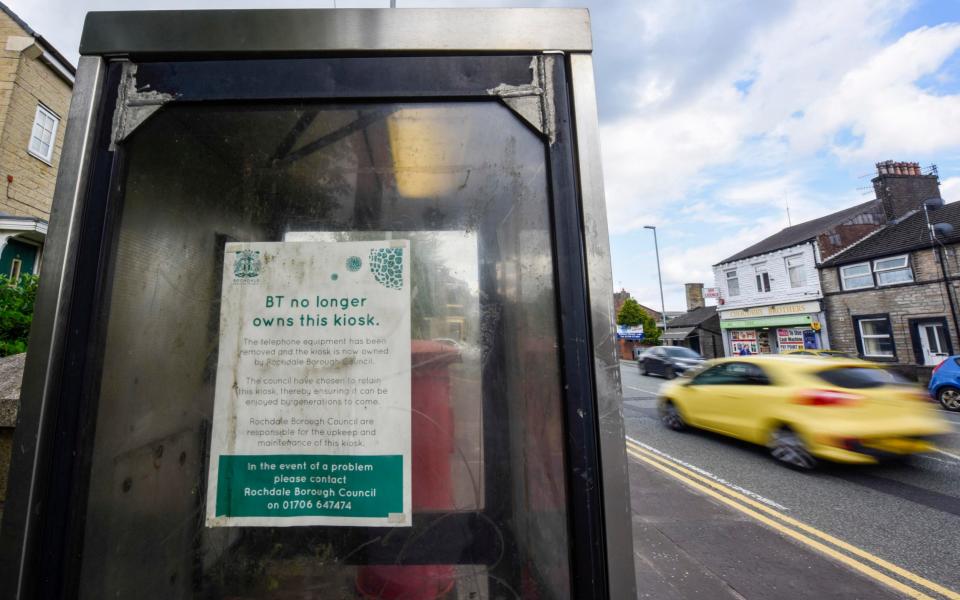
(945, 383)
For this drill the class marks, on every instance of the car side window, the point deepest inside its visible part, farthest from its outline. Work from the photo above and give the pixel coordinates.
(732, 374)
(748, 374)
(713, 376)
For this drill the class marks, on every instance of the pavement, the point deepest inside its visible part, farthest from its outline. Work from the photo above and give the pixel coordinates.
(715, 518)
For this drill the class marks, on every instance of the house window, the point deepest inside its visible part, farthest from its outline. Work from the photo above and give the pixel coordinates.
(733, 284)
(44, 134)
(893, 270)
(795, 270)
(763, 278)
(874, 336)
(15, 266)
(855, 277)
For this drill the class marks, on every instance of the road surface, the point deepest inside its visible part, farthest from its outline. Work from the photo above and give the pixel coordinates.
(897, 524)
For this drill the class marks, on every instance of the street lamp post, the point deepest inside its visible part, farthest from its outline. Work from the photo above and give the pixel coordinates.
(656, 247)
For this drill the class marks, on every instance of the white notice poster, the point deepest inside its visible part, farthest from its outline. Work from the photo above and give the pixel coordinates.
(311, 418)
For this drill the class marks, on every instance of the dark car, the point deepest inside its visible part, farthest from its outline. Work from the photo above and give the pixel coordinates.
(668, 361)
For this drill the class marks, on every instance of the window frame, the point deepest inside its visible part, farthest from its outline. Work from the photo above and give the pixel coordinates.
(843, 278)
(800, 267)
(735, 278)
(43, 110)
(906, 267)
(859, 337)
(762, 278)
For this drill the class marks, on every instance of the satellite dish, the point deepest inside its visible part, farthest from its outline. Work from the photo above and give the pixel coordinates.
(943, 229)
(933, 203)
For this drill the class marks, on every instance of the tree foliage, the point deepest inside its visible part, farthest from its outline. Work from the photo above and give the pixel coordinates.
(631, 314)
(16, 313)
(651, 331)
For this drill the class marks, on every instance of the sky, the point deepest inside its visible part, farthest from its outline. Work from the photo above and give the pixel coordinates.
(717, 119)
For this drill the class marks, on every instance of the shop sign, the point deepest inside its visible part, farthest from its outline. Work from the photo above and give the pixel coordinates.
(790, 339)
(311, 421)
(711, 293)
(771, 311)
(630, 332)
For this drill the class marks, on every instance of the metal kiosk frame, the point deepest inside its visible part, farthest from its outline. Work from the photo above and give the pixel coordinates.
(197, 56)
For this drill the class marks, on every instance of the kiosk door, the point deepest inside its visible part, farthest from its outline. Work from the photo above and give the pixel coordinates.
(448, 182)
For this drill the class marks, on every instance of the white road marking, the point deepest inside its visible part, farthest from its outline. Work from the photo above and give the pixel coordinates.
(950, 454)
(710, 475)
(648, 392)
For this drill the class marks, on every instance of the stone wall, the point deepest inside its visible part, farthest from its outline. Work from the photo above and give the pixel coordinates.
(26, 82)
(926, 297)
(11, 373)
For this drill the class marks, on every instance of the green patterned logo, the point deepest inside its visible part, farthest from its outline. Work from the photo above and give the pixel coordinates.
(354, 263)
(386, 264)
(247, 264)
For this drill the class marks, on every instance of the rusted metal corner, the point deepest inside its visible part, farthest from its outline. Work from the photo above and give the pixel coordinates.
(533, 102)
(134, 106)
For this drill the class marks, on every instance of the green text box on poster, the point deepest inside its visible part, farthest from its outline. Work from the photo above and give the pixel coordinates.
(295, 485)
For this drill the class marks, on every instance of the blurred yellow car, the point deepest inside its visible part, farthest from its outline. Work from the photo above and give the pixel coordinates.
(819, 352)
(804, 409)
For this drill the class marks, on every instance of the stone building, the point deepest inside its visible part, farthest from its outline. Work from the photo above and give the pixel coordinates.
(36, 82)
(892, 297)
(770, 293)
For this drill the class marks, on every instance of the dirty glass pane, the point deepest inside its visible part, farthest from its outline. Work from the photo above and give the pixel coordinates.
(466, 184)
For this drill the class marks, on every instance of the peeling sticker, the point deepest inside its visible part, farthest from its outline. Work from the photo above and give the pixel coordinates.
(134, 106)
(533, 102)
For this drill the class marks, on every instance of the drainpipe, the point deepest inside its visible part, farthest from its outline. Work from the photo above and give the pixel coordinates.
(946, 282)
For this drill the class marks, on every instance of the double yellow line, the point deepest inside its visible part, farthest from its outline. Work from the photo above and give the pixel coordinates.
(862, 561)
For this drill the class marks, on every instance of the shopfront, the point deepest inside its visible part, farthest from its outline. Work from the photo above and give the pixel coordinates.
(774, 329)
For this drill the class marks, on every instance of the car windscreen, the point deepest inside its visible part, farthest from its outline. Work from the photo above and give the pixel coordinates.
(680, 352)
(860, 377)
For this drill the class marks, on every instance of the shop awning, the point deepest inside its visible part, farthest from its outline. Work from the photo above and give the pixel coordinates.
(678, 333)
(766, 322)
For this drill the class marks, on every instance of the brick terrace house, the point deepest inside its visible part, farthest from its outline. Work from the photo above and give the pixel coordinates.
(627, 348)
(36, 82)
(771, 298)
(893, 296)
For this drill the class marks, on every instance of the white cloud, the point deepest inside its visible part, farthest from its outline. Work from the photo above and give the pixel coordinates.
(817, 72)
(881, 102)
(950, 189)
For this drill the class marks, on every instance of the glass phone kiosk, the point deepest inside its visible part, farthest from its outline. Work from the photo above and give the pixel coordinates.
(326, 313)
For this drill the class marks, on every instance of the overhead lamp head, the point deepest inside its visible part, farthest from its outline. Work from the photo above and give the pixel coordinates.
(933, 203)
(649, 227)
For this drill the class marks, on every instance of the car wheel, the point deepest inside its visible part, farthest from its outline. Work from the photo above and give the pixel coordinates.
(671, 418)
(669, 373)
(949, 398)
(643, 368)
(788, 448)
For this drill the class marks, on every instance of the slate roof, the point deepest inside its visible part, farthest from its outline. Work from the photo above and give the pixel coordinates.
(799, 233)
(693, 318)
(907, 235)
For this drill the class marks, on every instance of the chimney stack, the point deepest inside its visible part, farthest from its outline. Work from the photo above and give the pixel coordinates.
(902, 187)
(694, 296)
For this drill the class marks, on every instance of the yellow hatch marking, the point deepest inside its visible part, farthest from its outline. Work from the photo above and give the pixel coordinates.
(643, 454)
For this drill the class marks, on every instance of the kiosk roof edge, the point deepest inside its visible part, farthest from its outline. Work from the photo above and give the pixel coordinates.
(198, 32)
